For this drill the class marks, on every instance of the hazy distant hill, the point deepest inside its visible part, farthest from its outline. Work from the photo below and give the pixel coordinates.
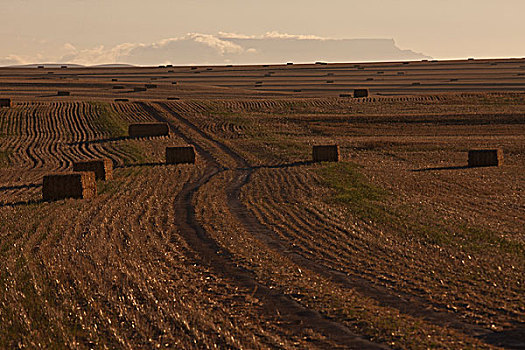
(210, 49)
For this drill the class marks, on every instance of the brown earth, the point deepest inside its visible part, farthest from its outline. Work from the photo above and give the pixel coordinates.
(399, 245)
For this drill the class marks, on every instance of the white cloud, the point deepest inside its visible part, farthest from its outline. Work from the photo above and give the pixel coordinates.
(198, 48)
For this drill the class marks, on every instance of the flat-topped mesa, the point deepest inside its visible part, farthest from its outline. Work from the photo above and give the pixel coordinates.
(485, 157)
(180, 155)
(325, 153)
(148, 129)
(359, 93)
(73, 185)
(103, 168)
(5, 102)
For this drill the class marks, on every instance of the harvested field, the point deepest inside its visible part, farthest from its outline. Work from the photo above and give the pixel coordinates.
(401, 244)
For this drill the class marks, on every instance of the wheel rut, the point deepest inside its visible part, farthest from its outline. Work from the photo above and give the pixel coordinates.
(274, 303)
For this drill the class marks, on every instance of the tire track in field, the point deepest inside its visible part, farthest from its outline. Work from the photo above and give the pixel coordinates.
(208, 248)
(405, 303)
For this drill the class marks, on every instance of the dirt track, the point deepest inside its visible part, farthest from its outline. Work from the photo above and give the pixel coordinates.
(400, 245)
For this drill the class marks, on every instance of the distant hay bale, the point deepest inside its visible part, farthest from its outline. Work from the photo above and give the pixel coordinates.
(169, 66)
(267, 75)
(161, 66)
(485, 157)
(345, 95)
(193, 68)
(63, 93)
(266, 65)
(229, 66)
(361, 68)
(180, 155)
(359, 93)
(258, 83)
(148, 129)
(380, 72)
(289, 64)
(63, 67)
(114, 79)
(406, 62)
(471, 59)
(118, 87)
(321, 63)
(454, 79)
(173, 98)
(40, 67)
(416, 83)
(330, 74)
(369, 79)
(5, 102)
(73, 185)
(139, 89)
(103, 168)
(325, 153)
(121, 100)
(400, 73)
(209, 68)
(297, 90)
(174, 83)
(50, 72)
(329, 81)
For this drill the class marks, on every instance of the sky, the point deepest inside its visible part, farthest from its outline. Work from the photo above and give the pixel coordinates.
(91, 31)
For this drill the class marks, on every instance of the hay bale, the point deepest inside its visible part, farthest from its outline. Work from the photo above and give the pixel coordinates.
(180, 155)
(289, 64)
(193, 68)
(5, 102)
(148, 129)
(169, 66)
(103, 168)
(297, 90)
(150, 86)
(325, 153)
(40, 67)
(121, 100)
(454, 79)
(329, 81)
(118, 87)
(114, 79)
(63, 93)
(485, 157)
(174, 83)
(400, 73)
(173, 98)
(63, 67)
(345, 95)
(358, 93)
(369, 79)
(416, 83)
(73, 185)
(139, 89)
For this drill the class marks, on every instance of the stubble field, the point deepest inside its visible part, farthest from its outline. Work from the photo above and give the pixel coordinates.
(399, 245)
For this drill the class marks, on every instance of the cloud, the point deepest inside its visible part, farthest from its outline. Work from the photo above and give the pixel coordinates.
(11, 60)
(199, 48)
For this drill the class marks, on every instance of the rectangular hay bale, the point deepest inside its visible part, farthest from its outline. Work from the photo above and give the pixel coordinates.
(325, 153)
(103, 168)
(72, 185)
(148, 129)
(5, 102)
(63, 93)
(359, 93)
(180, 155)
(485, 157)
